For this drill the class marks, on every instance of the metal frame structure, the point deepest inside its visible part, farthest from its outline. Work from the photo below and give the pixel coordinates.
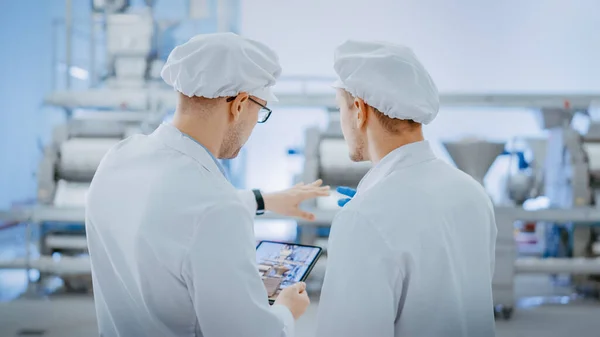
(161, 97)
(158, 99)
(508, 264)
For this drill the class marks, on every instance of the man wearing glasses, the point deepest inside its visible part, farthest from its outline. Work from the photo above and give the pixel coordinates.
(171, 241)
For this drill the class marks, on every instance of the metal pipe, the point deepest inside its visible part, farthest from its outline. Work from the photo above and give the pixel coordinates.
(92, 66)
(66, 242)
(107, 59)
(583, 214)
(558, 266)
(15, 215)
(53, 55)
(68, 40)
(168, 99)
(28, 254)
(46, 264)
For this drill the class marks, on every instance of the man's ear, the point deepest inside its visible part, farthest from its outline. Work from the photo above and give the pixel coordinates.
(362, 113)
(237, 105)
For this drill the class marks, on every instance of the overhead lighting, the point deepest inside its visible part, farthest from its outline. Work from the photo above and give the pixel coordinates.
(79, 73)
(75, 72)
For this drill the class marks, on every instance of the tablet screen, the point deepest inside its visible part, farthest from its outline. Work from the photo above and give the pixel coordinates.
(283, 264)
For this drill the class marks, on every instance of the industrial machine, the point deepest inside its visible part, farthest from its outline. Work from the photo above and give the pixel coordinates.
(572, 181)
(122, 105)
(565, 171)
(134, 102)
(129, 67)
(97, 119)
(473, 156)
(64, 175)
(68, 165)
(129, 43)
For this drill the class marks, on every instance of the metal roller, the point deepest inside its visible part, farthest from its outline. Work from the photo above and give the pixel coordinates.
(79, 157)
(70, 194)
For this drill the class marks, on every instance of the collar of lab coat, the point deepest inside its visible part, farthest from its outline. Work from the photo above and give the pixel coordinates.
(402, 157)
(179, 141)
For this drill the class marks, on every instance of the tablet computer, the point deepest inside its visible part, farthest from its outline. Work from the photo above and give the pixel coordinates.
(282, 264)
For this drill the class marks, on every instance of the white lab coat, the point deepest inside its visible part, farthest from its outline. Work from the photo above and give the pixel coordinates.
(172, 245)
(412, 254)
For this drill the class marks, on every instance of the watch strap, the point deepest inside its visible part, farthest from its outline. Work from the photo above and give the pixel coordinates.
(260, 202)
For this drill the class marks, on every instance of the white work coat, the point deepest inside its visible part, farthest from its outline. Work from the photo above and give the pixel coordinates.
(412, 254)
(172, 245)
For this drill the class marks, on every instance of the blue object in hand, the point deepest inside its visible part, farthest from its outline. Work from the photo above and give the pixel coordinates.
(347, 191)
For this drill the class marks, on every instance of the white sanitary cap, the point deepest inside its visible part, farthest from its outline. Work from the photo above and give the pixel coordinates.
(388, 77)
(222, 65)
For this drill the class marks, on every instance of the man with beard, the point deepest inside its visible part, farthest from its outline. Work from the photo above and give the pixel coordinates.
(171, 241)
(412, 253)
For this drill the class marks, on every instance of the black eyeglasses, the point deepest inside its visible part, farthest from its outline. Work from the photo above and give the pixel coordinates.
(264, 112)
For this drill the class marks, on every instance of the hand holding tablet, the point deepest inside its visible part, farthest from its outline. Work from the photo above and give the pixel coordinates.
(282, 265)
(294, 298)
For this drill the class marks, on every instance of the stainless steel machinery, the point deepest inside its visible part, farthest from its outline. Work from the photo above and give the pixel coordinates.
(130, 65)
(569, 178)
(572, 180)
(473, 156)
(69, 163)
(98, 118)
(129, 45)
(64, 175)
(122, 98)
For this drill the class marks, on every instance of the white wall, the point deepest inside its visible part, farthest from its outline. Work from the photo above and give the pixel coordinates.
(473, 45)
(26, 68)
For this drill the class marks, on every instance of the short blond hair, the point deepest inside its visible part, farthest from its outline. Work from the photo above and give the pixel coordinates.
(393, 125)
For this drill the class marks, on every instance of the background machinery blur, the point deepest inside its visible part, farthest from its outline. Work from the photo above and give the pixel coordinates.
(65, 172)
(564, 171)
(123, 103)
(130, 98)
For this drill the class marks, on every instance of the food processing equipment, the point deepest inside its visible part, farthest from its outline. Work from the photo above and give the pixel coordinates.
(474, 157)
(70, 161)
(97, 119)
(130, 88)
(64, 175)
(569, 177)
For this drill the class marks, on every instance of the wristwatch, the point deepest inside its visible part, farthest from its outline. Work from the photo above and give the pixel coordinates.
(260, 202)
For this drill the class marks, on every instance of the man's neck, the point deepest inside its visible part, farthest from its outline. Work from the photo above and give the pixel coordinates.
(381, 146)
(203, 130)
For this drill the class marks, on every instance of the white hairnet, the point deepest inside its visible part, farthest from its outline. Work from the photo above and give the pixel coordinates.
(222, 65)
(388, 77)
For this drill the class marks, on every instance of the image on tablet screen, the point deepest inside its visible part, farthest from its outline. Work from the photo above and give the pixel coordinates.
(281, 265)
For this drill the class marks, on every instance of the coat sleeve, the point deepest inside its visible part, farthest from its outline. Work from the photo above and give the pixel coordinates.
(360, 294)
(222, 278)
(248, 200)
